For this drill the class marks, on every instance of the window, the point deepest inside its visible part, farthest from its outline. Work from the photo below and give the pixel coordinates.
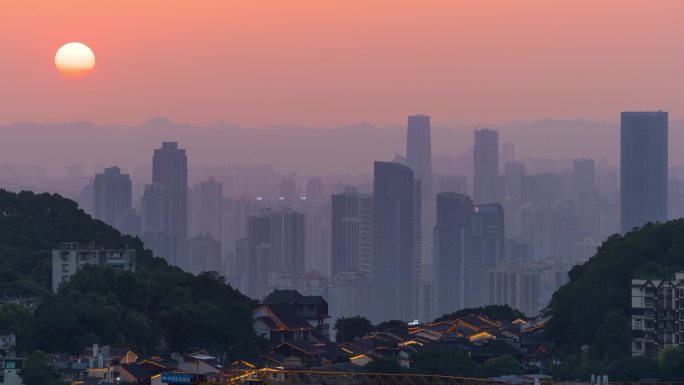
(65, 278)
(65, 267)
(638, 324)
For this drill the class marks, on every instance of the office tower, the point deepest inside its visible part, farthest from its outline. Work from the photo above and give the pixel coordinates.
(352, 220)
(206, 208)
(128, 222)
(584, 177)
(485, 165)
(152, 213)
(287, 239)
(204, 253)
(170, 169)
(314, 188)
(507, 153)
(318, 233)
(393, 242)
(258, 254)
(112, 191)
(515, 286)
(514, 174)
(419, 152)
(643, 168)
(487, 249)
(452, 239)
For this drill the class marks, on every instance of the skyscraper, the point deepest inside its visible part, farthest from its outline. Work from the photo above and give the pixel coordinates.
(643, 168)
(485, 166)
(113, 192)
(487, 249)
(170, 169)
(288, 241)
(258, 254)
(452, 238)
(352, 220)
(204, 254)
(152, 214)
(419, 152)
(206, 204)
(393, 242)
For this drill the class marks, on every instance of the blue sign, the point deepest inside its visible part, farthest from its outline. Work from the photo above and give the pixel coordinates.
(177, 378)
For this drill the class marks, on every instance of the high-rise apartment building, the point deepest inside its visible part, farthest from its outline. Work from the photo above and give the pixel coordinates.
(170, 169)
(486, 166)
(352, 221)
(487, 249)
(419, 152)
(206, 208)
(393, 242)
(113, 191)
(643, 168)
(452, 242)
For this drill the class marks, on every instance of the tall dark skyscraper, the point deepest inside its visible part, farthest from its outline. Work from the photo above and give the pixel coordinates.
(170, 169)
(113, 193)
(643, 168)
(452, 239)
(258, 254)
(352, 221)
(419, 152)
(393, 242)
(486, 166)
(288, 241)
(487, 249)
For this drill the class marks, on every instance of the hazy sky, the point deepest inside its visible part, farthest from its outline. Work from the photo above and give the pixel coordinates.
(331, 62)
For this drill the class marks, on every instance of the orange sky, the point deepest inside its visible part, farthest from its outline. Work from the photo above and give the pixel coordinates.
(332, 62)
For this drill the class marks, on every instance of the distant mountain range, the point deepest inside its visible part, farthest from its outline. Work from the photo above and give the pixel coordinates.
(326, 150)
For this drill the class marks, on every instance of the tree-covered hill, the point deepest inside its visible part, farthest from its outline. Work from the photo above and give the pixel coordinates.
(593, 309)
(100, 305)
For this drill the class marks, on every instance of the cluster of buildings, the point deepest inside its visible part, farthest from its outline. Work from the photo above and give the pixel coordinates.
(423, 236)
(296, 326)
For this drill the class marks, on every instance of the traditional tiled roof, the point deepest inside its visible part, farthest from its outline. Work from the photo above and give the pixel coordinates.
(282, 296)
(288, 317)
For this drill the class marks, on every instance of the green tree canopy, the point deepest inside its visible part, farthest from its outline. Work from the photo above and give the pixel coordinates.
(593, 309)
(37, 371)
(502, 366)
(445, 361)
(633, 369)
(494, 312)
(348, 328)
(107, 306)
(383, 366)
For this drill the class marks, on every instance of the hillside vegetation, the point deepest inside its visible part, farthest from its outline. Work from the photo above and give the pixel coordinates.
(157, 306)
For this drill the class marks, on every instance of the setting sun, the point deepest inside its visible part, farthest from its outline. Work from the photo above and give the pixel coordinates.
(74, 60)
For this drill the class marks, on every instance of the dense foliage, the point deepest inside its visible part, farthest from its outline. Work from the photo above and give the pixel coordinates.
(445, 361)
(590, 316)
(494, 312)
(502, 366)
(348, 328)
(38, 371)
(156, 306)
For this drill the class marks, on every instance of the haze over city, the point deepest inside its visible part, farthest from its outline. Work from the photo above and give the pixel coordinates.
(269, 192)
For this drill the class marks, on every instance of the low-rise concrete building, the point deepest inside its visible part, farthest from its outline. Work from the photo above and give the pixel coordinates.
(68, 259)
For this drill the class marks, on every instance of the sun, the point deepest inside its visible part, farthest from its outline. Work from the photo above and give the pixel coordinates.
(74, 60)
